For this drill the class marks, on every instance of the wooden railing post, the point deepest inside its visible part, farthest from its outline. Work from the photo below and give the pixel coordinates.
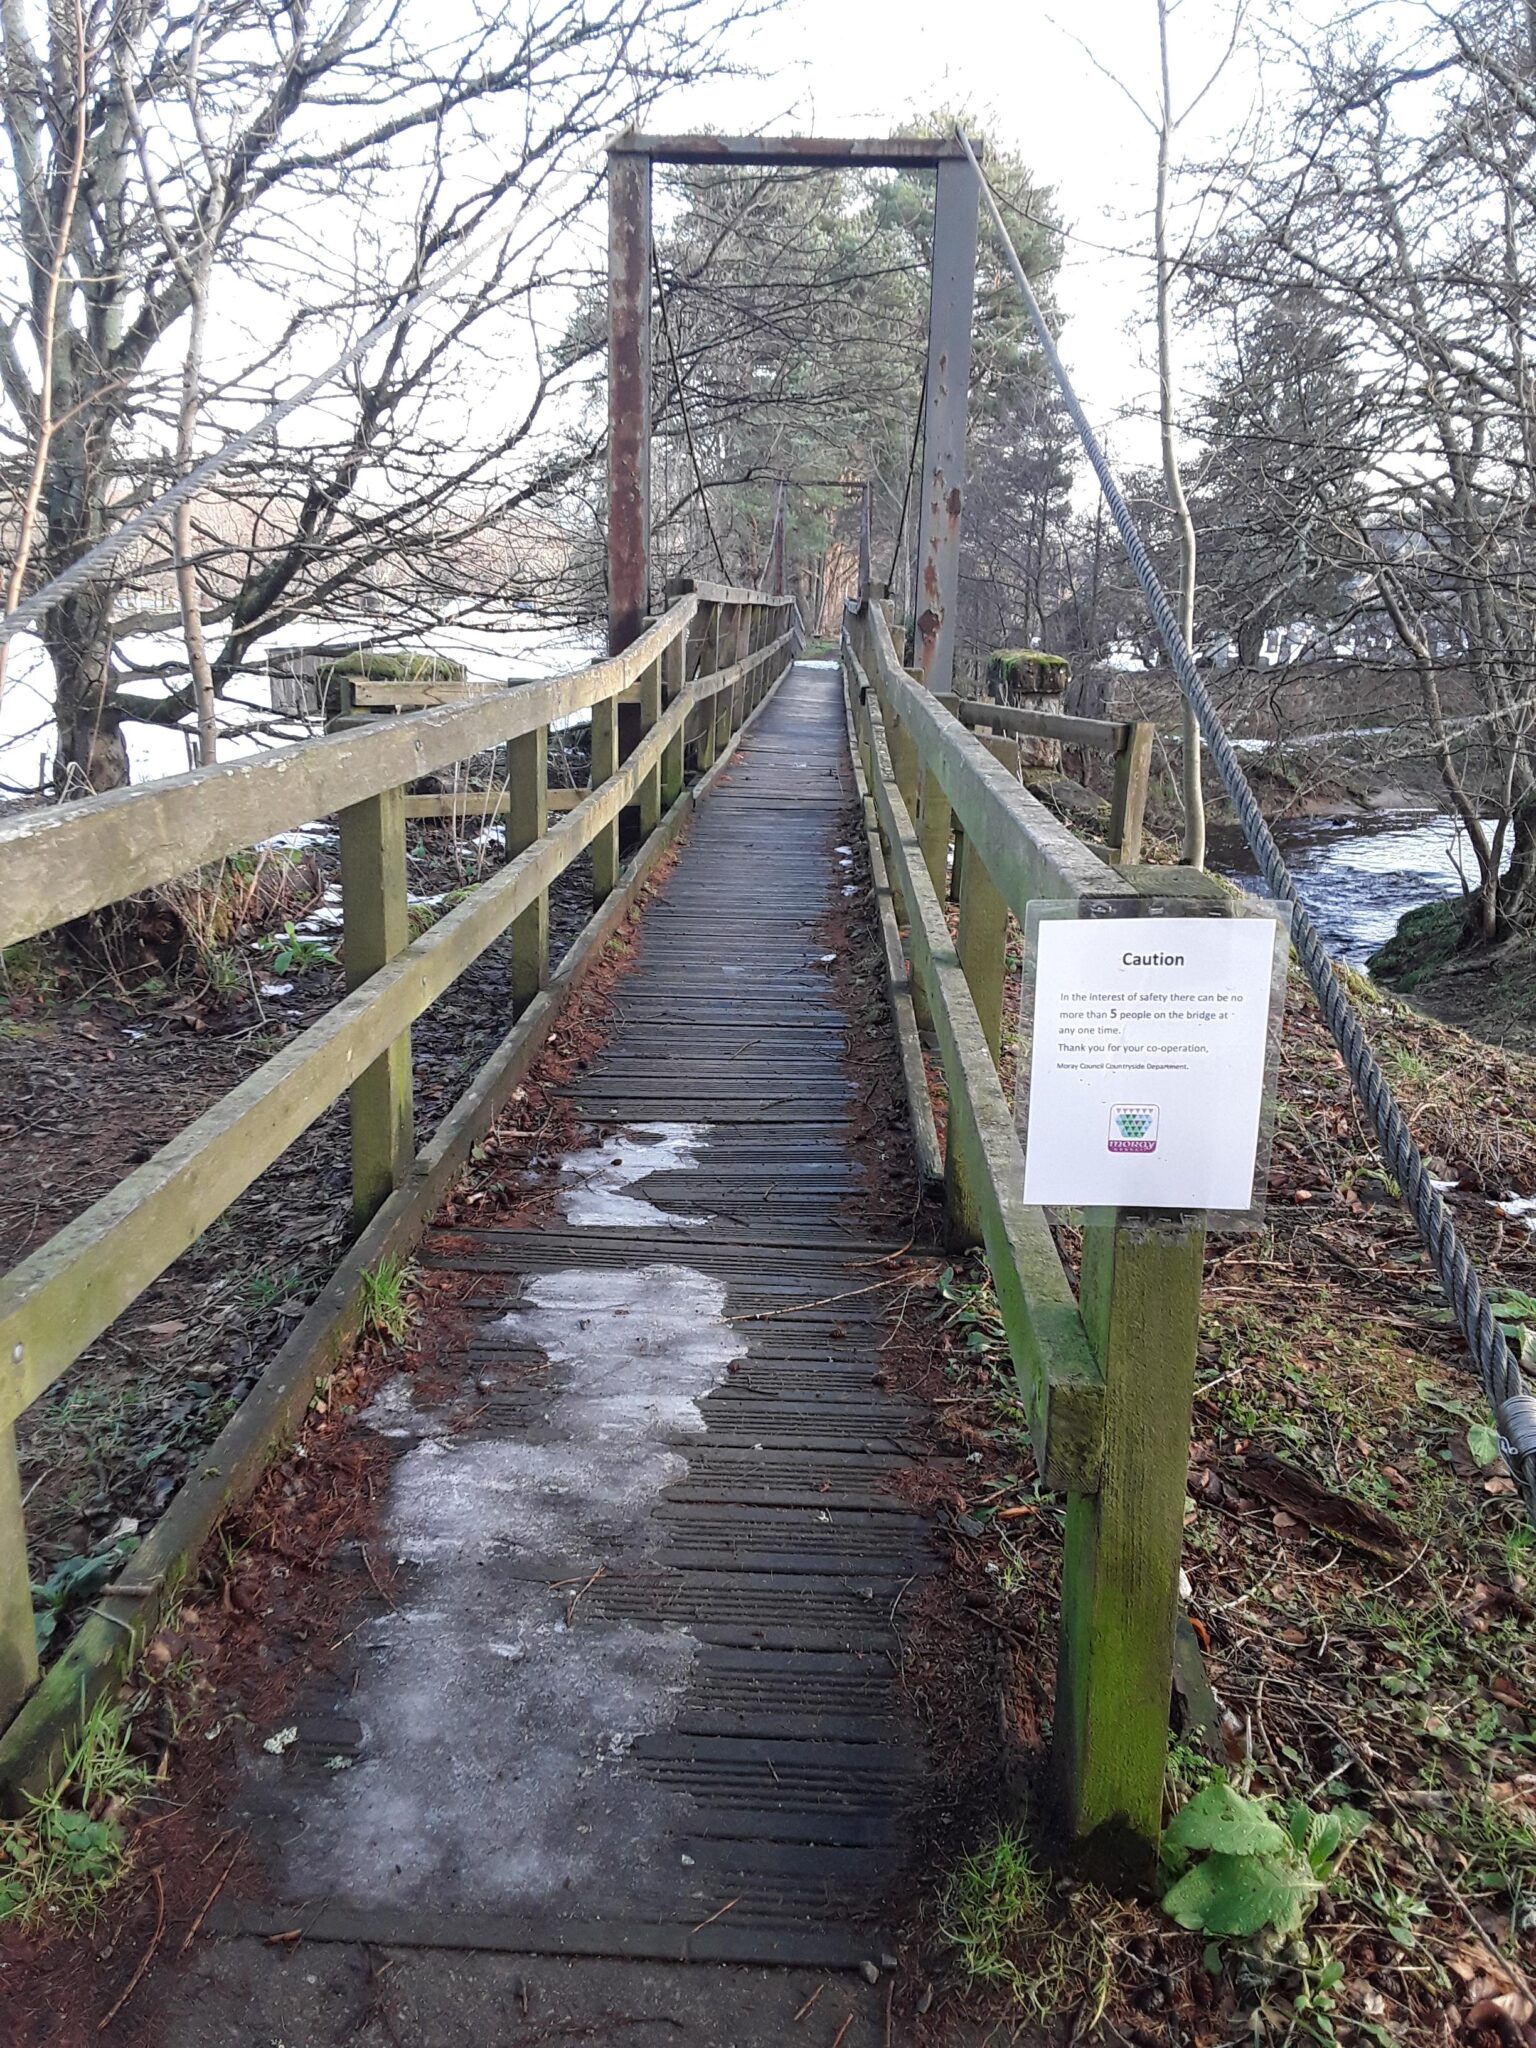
(375, 927)
(1128, 802)
(1140, 1301)
(982, 945)
(905, 768)
(934, 823)
(527, 821)
(673, 669)
(605, 762)
(650, 711)
(705, 665)
(18, 1632)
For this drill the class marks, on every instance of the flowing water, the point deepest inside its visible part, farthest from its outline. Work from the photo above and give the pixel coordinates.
(1357, 875)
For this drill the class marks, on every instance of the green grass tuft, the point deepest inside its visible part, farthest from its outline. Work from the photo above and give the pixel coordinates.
(388, 1311)
(59, 1863)
(997, 1915)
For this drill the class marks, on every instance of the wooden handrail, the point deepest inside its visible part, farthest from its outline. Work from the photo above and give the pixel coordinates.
(1027, 851)
(1108, 1387)
(1102, 735)
(64, 862)
(70, 859)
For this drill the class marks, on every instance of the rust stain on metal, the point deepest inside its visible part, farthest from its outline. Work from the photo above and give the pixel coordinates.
(629, 397)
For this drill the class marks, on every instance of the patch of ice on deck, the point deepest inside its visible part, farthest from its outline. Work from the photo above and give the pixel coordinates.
(602, 1173)
(492, 1771)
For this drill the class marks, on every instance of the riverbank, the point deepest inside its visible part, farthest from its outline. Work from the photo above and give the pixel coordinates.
(1487, 991)
(1356, 1681)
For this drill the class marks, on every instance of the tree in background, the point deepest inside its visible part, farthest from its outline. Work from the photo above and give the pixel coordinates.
(301, 173)
(1281, 429)
(794, 306)
(1396, 204)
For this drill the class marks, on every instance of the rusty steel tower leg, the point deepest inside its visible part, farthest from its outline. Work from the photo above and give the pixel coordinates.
(629, 394)
(944, 417)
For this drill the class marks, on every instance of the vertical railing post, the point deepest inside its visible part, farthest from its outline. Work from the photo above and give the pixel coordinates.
(982, 946)
(673, 669)
(375, 927)
(934, 821)
(1128, 803)
(527, 822)
(1140, 1301)
(605, 762)
(707, 665)
(650, 711)
(906, 769)
(18, 1631)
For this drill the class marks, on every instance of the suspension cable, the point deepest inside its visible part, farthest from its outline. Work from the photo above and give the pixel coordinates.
(1498, 1369)
(682, 406)
(906, 496)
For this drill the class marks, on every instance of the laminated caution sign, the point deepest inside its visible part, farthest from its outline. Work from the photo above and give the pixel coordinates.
(1150, 1043)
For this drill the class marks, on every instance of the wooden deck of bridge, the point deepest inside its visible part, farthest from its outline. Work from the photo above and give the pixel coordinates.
(670, 1406)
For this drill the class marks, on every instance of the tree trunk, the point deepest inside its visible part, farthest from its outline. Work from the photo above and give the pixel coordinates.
(92, 754)
(1194, 794)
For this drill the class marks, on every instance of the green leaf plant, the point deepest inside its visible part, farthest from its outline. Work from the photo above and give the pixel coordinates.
(1234, 1869)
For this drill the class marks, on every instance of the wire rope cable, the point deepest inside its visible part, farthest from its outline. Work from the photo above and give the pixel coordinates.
(1498, 1369)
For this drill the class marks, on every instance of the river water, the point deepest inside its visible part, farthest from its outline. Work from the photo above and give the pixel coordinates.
(1357, 875)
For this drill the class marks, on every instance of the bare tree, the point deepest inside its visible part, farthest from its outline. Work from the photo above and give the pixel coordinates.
(1397, 199)
(303, 172)
(1165, 117)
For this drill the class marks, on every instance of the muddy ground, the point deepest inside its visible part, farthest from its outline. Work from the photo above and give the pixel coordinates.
(98, 1069)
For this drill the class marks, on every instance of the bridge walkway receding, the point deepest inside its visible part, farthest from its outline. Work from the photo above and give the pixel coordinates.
(638, 1690)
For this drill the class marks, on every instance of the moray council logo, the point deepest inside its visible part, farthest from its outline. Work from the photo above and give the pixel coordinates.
(1133, 1127)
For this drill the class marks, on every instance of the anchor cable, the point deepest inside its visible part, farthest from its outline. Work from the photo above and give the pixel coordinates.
(1498, 1369)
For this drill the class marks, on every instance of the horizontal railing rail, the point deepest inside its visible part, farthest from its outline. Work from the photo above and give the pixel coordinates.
(1128, 742)
(68, 861)
(1105, 1374)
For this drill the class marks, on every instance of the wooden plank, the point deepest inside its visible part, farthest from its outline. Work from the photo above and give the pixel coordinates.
(527, 819)
(375, 927)
(1120, 1579)
(1098, 735)
(1028, 852)
(935, 823)
(650, 711)
(479, 806)
(70, 859)
(1128, 804)
(68, 1291)
(731, 593)
(112, 1637)
(982, 946)
(18, 1633)
(1060, 1382)
(605, 762)
(898, 986)
(672, 770)
(377, 696)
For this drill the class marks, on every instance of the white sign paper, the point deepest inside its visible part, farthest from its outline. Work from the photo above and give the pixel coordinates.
(1147, 1072)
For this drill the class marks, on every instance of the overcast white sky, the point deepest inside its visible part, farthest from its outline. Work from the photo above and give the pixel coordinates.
(863, 67)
